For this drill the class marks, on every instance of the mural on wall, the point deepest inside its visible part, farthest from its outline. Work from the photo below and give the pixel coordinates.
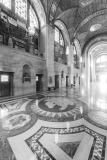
(52, 12)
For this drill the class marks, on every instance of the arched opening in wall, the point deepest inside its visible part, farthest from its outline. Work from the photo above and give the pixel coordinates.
(96, 63)
(61, 42)
(101, 68)
(26, 73)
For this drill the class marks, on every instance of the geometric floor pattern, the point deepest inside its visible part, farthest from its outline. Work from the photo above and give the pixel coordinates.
(44, 126)
(97, 151)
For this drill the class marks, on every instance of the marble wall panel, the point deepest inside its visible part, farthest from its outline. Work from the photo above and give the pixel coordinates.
(12, 60)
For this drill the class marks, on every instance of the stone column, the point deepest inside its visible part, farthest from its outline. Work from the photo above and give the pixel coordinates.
(70, 63)
(47, 48)
(87, 70)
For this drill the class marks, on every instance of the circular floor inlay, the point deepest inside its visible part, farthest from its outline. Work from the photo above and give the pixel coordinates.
(16, 121)
(98, 117)
(58, 108)
(56, 104)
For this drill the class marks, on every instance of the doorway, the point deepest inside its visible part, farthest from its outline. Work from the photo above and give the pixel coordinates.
(79, 81)
(67, 78)
(6, 84)
(39, 82)
(74, 80)
(56, 81)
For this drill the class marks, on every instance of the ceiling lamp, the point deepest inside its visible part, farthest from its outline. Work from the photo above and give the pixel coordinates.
(95, 27)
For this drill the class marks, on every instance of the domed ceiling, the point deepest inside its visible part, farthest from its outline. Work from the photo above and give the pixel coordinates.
(84, 19)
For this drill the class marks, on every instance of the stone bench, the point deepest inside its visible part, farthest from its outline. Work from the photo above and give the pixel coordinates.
(51, 88)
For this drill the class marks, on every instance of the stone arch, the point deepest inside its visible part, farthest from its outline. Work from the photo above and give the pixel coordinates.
(94, 41)
(26, 63)
(89, 52)
(64, 30)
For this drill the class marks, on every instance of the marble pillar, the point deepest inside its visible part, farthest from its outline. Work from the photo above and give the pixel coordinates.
(70, 63)
(47, 48)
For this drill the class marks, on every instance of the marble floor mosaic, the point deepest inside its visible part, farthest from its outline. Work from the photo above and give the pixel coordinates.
(69, 123)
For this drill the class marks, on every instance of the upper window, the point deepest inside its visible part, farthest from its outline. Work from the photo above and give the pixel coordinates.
(7, 3)
(61, 40)
(102, 58)
(33, 19)
(56, 35)
(59, 37)
(21, 8)
(98, 60)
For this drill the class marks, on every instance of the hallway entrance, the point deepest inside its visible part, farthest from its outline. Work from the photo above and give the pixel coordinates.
(39, 82)
(56, 81)
(6, 84)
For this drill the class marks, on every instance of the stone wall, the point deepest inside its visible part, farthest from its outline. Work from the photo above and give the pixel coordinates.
(58, 69)
(12, 60)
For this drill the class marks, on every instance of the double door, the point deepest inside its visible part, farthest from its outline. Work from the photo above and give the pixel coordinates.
(56, 81)
(6, 84)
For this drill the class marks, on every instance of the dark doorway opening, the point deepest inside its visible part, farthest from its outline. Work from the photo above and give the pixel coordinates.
(74, 80)
(39, 86)
(79, 81)
(67, 81)
(6, 84)
(56, 81)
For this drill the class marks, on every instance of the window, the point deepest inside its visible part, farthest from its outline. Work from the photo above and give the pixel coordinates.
(98, 60)
(59, 37)
(33, 19)
(61, 40)
(56, 35)
(21, 8)
(7, 3)
(103, 58)
(4, 78)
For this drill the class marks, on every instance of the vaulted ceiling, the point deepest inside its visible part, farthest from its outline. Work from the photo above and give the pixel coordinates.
(79, 16)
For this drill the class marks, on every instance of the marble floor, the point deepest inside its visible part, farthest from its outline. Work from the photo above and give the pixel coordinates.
(65, 124)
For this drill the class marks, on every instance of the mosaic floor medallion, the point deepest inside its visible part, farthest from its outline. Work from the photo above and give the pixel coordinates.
(55, 107)
(56, 104)
(16, 121)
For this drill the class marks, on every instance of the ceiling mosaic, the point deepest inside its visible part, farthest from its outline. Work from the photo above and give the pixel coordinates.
(78, 16)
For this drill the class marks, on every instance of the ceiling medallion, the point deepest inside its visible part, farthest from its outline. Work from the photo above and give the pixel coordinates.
(95, 27)
(85, 3)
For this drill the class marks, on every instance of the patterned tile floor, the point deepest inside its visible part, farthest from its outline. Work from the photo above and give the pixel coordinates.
(70, 123)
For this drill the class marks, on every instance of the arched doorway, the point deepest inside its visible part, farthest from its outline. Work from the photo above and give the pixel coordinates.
(94, 72)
